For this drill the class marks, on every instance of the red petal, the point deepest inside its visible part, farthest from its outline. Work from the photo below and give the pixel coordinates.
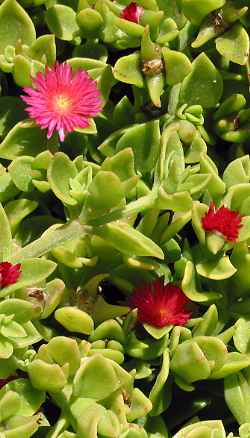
(132, 12)
(224, 221)
(160, 305)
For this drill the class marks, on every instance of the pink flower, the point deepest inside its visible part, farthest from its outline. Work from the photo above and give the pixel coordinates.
(223, 221)
(160, 305)
(61, 100)
(9, 274)
(132, 12)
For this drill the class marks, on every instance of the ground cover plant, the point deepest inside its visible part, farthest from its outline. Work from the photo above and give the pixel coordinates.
(124, 219)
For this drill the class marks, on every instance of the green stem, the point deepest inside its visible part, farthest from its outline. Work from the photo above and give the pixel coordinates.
(52, 238)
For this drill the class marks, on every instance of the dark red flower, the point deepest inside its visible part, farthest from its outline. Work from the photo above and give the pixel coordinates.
(223, 221)
(9, 274)
(160, 305)
(132, 12)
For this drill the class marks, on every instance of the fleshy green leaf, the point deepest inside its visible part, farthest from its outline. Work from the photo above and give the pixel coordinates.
(15, 25)
(204, 85)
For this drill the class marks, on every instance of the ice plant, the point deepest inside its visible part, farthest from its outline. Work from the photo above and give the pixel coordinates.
(160, 305)
(61, 100)
(9, 274)
(132, 12)
(222, 221)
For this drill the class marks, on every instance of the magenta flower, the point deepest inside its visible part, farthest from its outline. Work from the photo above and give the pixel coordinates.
(61, 100)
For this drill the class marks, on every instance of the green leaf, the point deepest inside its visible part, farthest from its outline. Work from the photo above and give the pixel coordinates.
(25, 138)
(6, 349)
(217, 269)
(204, 85)
(100, 195)
(54, 236)
(15, 26)
(188, 286)
(128, 240)
(147, 135)
(234, 44)
(21, 172)
(233, 364)
(158, 394)
(237, 172)
(33, 271)
(22, 310)
(61, 21)
(60, 172)
(90, 22)
(11, 112)
(9, 405)
(177, 66)
(202, 429)
(5, 236)
(30, 398)
(128, 69)
(95, 379)
(74, 320)
(196, 11)
(157, 333)
(242, 336)
(64, 350)
(46, 377)
(17, 210)
(237, 396)
(12, 330)
(44, 49)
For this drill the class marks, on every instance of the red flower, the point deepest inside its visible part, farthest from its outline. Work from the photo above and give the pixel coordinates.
(161, 305)
(224, 221)
(132, 12)
(9, 274)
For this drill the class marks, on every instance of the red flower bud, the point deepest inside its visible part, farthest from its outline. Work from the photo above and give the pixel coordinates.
(9, 274)
(223, 221)
(132, 12)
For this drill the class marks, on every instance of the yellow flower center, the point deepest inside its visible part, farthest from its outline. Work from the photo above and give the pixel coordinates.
(62, 103)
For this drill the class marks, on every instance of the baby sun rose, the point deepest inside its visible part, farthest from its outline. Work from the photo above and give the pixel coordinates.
(160, 305)
(61, 100)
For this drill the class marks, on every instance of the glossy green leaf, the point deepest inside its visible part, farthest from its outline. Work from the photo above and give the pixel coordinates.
(74, 320)
(96, 379)
(217, 269)
(127, 69)
(61, 21)
(234, 45)
(128, 240)
(196, 11)
(15, 25)
(25, 138)
(189, 287)
(204, 85)
(44, 49)
(177, 66)
(60, 171)
(5, 236)
(100, 195)
(237, 396)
